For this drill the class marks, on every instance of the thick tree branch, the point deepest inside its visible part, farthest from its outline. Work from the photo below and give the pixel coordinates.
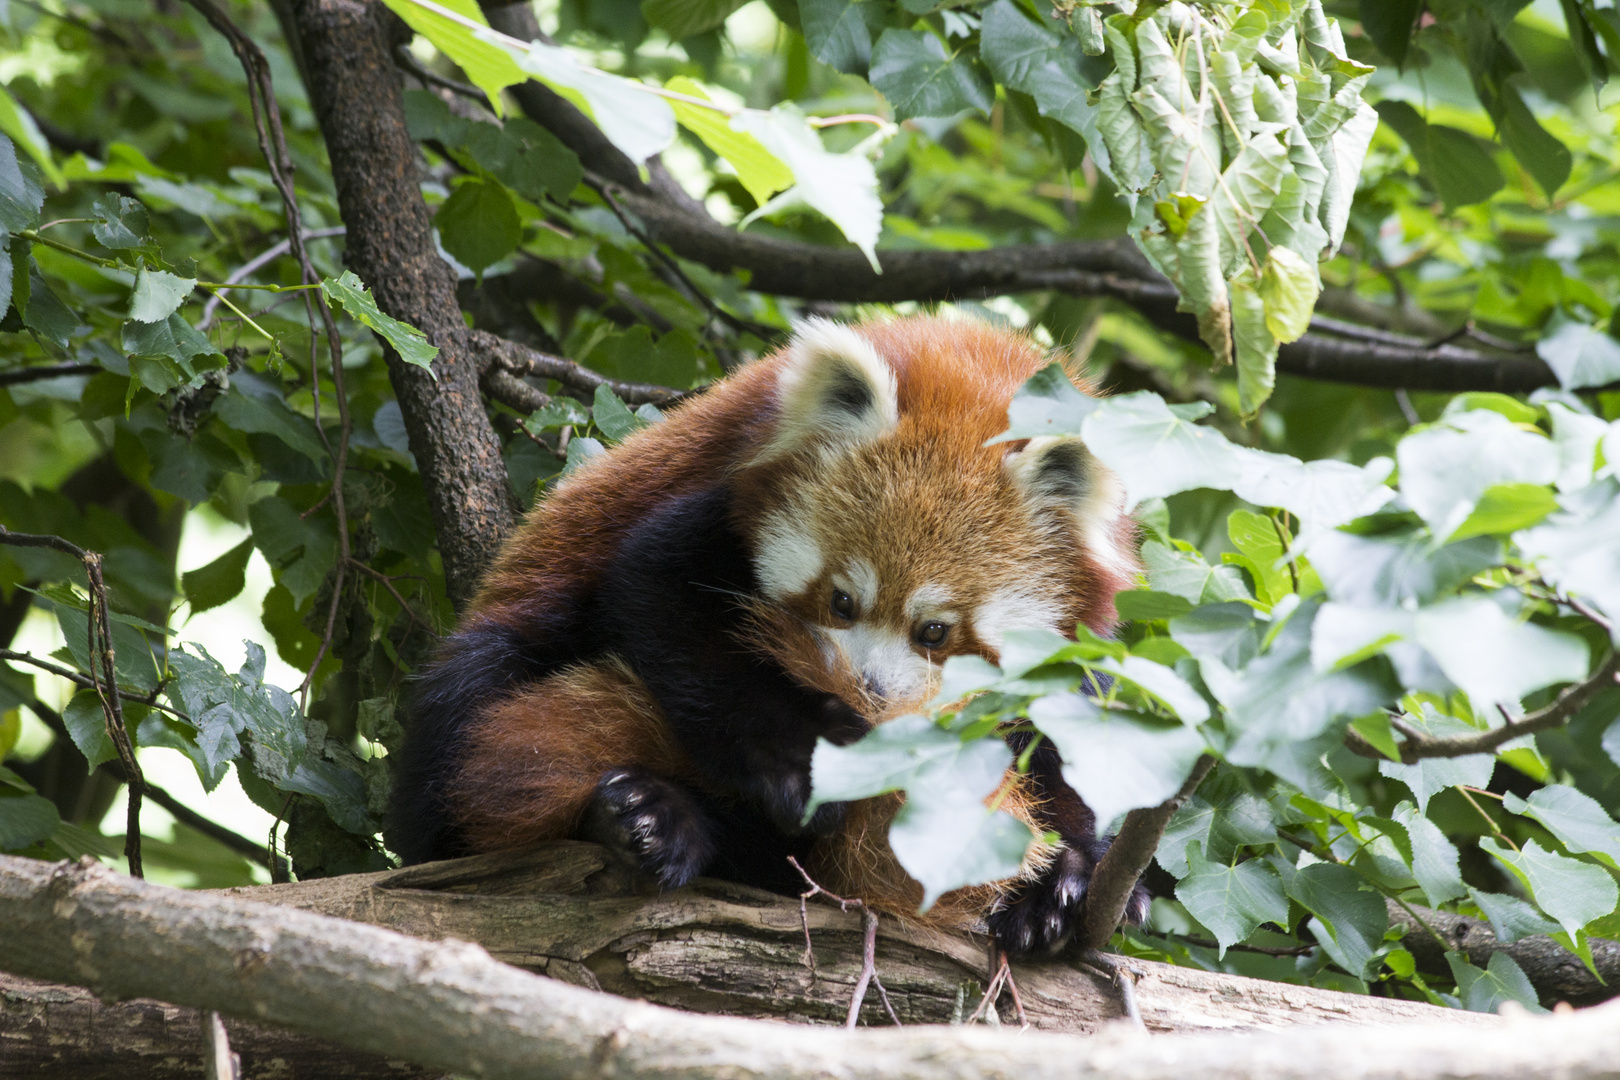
(1128, 856)
(18, 376)
(1555, 972)
(1571, 700)
(449, 1005)
(355, 89)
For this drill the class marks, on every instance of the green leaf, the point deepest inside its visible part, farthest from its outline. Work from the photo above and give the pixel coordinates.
(899, 755)
(222, 707)
(1187, 575)
(919, 78)
(157, 295)
(522, 155)
(757, 170)
(220, 581)
(18, 124)
(1289, 286)
(1580, 355)
(1047, 404)
(1511, 918)
(411, 344)
(479, 224)
(20, 195)
(1460, 169)
(640, 124)
(555, 414)
(582, 448)
(1376, 729)
(1506, 508)
(44, 312)
(946, 844)
(120, 223)
(1431, 776)
(1571, 891)
(1163, 684)
(489, 66)
(172, 339)
(685, 18)
(1494, 658)
(266, 414)
(1434, 858)
(87, 726)
(1154, 451)
(1146, 605)
(1231, 900)
(134, 663)
(1485, 991)
(843, 188)
(612, 417)
(1027, 56)
(1350, 910)
(25, 820)
(1396, 570)
(299, 550)
(1542, 154)
(1254, 344)
(1446, 467)
(1574, 817)
(839, 32)
(1256, 536)
(1390, 24)
(1115, 761)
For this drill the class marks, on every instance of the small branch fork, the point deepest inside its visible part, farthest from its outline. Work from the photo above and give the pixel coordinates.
(273, 146)
(1570, 701)
(502, 357)
(1001, 979)
(103, 681)
(869, 929)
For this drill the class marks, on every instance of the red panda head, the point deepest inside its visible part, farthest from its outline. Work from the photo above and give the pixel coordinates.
(881, 519)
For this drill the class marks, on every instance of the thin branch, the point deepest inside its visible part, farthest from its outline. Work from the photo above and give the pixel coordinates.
(427, 76)
(84, 681)
(517, 359)
(1121, 868)
(869, 929)
(18, 376)
(1571, 700)
(105, 684)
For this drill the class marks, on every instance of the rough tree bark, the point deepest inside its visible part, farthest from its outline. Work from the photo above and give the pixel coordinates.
(450, 1006)
(355, 89)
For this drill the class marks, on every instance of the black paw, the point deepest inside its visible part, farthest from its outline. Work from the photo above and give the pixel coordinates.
(784, 795)
(657, 822)
(1041, 915)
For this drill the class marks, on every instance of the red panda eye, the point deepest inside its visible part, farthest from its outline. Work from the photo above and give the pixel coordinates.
(842, 604)
(933, 634)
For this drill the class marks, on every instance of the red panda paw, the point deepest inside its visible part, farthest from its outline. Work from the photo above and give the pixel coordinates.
(1041, 915)
(657, 821)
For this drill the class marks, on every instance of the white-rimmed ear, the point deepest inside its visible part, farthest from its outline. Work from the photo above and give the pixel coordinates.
(835, 392)
(1060, 479)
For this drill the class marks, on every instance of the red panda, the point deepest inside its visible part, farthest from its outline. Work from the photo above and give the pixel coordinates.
(789, 556)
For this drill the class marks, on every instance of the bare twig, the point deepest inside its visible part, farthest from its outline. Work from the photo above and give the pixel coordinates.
(869, 929)
(18, 376)
(1117, 874)
(219, 1063)
(521, 360)
(84, 681)
(408, 61)
(263, 258)
(388, 583)
(1570, 701)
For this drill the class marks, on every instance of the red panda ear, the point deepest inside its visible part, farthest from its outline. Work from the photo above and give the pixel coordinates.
(1061, 480)
(835, 392)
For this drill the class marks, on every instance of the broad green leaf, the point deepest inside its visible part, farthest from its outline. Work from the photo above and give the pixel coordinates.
(1511, 918)
(612, 417)
(639, 123)
(839, 32)
(894, 755)
(342, 792)
(133, 660)
(1506, 508)
(1429, 777)
(479, 224)
(1446, 467)
(120, 223)
(1485, 990)
(1289, 287)
(1190, 824)
(19, 125)
(1391, 24)
(1496, 659)
(919, 78)
(223, 707)
(1254, 345)
(520, 153)
(1257, 538)
(1047, 404)
(489, 66)
(1155, 452)
(1145, 605)
(1571, 891)
(1574, 817)
(1349, 909)
(1162, 683)
(1114, 760)
(299, 550)
(1575, 552)
(948, 844)
(1580, 355)
(244, 409)
(1543, 155)
(1577, 435)
(1321, 494)
(1187, 575)
(45, 312)
(759, 172)
(1374, 727)
(843, 188)
(1434, 857)
(557, 413)
(20, 196)
(1231, 900)
(1049, 66)
(172, 339)
(25, 820)
(1396, 569)
(685, 18)
(157, 295)
(86, 723)
(582, 448)
(964, 675)
(411, 344)
(1453, 161)
(220, 582)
